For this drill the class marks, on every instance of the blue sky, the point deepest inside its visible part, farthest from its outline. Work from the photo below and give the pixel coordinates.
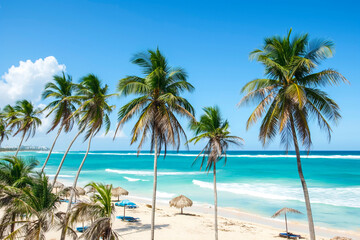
(210, 39)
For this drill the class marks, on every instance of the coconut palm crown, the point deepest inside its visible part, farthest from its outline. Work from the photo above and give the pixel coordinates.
(158, 101)
(62, 106)
(291, 94)
(215, 130)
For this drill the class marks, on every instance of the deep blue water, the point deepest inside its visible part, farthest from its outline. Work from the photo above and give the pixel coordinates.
(259, 182)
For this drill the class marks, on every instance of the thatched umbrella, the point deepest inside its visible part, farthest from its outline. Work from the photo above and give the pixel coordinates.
(284, 211)
(119, 191)
(58, 185)
(181, 202)
(79, 191)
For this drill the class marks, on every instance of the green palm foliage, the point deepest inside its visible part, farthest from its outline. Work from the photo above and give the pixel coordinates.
(157, 103)
(9, 115)
(100, 212)
(24, 118)
(290, 96)
(36, 205)
(94, 114)
(16, 171)
(62, 107)
(215, 130)
(4, 131)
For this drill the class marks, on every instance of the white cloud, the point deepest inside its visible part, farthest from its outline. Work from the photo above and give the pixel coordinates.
(27, 80)
(111, 133)
(45, 121)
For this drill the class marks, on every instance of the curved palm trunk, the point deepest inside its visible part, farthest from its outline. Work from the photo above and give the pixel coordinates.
(303, 182)
(215, 203)
(63, 232)
(154, 193)
(22, 139)
(51, 149)
(65, 154)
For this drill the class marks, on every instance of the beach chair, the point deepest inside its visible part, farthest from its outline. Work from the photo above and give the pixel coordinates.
(81, 229)
(289, 235)
(127, 219)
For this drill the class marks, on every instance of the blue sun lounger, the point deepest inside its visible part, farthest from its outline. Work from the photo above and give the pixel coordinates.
(290, 235)
(81, 229)
(128, 219)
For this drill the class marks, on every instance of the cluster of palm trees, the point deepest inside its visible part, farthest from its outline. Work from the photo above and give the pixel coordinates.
(286, 100)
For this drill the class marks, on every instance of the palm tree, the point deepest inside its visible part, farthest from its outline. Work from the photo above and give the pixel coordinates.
(94, 114)
(290, 95)
(15, 172)
(36, 205)
(24, 117)
(101, 209)
(157, 105)
(61, 89)
(215, 130)
(4, 131)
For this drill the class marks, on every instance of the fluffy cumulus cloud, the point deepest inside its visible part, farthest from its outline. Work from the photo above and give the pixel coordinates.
(27, 80)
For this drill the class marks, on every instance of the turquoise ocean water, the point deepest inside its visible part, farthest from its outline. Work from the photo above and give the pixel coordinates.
(259, 182)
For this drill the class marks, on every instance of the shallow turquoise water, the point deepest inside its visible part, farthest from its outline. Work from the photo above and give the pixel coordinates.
(254, 181)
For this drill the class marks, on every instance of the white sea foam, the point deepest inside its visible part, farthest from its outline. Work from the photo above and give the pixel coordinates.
(164, 195)
(233, 155)
(135, 179)
(346, 197)
(61, 175)
(150, 173)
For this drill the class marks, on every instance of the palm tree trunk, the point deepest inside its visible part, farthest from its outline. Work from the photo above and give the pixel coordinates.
(287, 231)
(13, 218)
(303, 182)
(154, 192)
(65, 154)
(215, 203)
(22, 139)
(63, 232)
(51, 149)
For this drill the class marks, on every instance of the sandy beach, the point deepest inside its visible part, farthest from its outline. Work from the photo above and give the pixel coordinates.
(197, 223)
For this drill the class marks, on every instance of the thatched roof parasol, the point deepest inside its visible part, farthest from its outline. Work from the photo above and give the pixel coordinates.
(80, 191)
(58, 185)
(89, 189)
(284, 211)
(180, 202)
(119, 191)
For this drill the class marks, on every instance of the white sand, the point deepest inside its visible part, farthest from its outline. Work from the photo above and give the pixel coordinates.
(198, 224)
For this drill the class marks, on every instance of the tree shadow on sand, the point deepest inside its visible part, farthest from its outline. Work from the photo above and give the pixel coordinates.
(138, 227)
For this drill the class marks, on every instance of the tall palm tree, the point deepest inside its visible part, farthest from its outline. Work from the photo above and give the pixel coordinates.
(290, 96)
(60, 90)
(101, 209)
(36, 205)
(156, 106)
(25, 119)
(215, 130)
(15, 172)
(94, 114)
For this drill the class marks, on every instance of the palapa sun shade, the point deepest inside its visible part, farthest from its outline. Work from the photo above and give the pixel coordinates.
(180, 202)
(58, 185)
(284, 211)
(80, 191)
(117, 192)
